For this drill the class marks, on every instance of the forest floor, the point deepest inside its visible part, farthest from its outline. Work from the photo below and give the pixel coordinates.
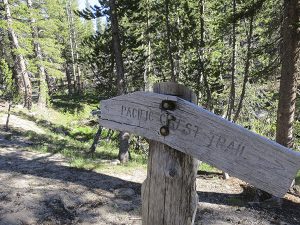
(42, 188)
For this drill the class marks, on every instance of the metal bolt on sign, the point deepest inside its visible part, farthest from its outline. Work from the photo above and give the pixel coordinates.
(167, 105)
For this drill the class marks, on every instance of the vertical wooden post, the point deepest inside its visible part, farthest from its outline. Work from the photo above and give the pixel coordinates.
(169, 193)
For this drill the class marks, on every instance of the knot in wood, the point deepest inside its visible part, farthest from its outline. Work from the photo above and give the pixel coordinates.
(172, 172)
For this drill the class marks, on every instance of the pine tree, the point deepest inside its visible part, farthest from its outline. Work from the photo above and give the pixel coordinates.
(21, 75)
(289, 73)
(41, 74)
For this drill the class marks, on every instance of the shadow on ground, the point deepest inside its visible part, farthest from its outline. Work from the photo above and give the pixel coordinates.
(73, 103)
(37, 189)
(51, 144)
(42, 167)
(287, 213)
(62, 189)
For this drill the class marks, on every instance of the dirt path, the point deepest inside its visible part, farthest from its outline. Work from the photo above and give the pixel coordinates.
(41, 189)
(37, 189)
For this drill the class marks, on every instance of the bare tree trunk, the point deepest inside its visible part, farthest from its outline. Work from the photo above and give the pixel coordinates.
(69, 16)
(209, 104)
(8, 115)
(48, 81)
(231, 101)
(22, 77)
(43, 90)
(97, 138)
(124, 137)
(170, 53)
(178, 51)
(201, 76)
(148, 60)
(147, 68)
(246, 71)
(69, 80)
(77, 81)
(289, 72)
(233, 62)
(79, 86)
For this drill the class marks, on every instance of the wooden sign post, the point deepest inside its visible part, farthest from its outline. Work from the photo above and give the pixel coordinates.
(166, 118)
(169, 193)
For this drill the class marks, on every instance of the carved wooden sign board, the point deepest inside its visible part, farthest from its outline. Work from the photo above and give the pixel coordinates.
(195, 131)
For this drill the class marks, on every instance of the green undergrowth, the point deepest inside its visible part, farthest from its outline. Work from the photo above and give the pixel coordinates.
(77, 151)
(71, 133)
(208, 168)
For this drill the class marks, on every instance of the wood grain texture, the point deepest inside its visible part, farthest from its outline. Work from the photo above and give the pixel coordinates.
(205, 136)
(169, 192)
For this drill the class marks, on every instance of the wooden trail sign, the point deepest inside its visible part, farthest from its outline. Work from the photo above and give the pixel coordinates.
(197, 132)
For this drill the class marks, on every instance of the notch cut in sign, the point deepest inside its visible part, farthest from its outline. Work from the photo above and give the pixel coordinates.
(205, 136)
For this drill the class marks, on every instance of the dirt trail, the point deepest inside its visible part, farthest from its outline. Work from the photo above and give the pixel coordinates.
(37, 189)
(19, 123)
(41, 189)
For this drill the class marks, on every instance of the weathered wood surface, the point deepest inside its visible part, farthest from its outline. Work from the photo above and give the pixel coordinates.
(205, 136)
(169, 192)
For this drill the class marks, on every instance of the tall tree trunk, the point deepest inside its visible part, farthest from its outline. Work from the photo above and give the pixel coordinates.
(22, 77)
(96, 140)
(169, 49)
(233, 62)
(71, 43)
(148, 60)
(79, 86)
(289, 72)
(178, 43)
(49, 85)
(231, 100)
(77, 81)
(209, 104)
(43, 90)
(247, 68)
(124, 137)
(147, 68)
(201, 75)
(69, 79)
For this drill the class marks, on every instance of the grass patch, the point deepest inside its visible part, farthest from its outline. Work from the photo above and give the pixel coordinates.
(71, 134)
(208, 168)
(74, 104)
(77, 152)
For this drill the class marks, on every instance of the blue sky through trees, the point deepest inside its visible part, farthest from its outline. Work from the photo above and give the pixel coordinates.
(82, 3)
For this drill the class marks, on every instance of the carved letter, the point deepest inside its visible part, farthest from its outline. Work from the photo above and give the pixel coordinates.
(128, 112)
(134, 111)
(174, 124)
(187, 131)
(141, 114)
(230, 146)
(211, 139)
(221, 142)
(150, 116)
(241, 152)
(196, 131)
(123, 110)
(163, 119)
